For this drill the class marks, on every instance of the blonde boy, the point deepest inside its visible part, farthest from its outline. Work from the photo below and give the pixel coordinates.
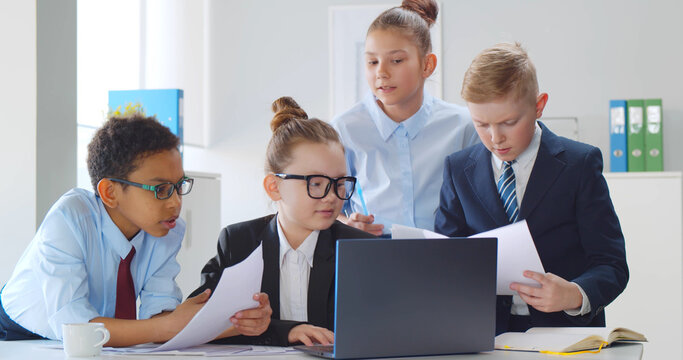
(522, 171)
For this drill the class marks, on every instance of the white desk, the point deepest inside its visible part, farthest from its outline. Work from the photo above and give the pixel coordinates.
(33, 349)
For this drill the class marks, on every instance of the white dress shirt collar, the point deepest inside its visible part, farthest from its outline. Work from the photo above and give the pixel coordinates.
(528, 156)
(307, 248)
(118, 242)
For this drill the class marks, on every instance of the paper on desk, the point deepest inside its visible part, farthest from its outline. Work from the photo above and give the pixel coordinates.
(208, 350)
(407, 232)
(234, 292)
(516, 253)
(259, 350)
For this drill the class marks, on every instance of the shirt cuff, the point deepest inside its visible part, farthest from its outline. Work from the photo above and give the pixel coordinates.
(585, 304)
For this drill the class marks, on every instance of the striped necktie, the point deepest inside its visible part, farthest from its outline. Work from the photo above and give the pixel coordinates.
(507, 191)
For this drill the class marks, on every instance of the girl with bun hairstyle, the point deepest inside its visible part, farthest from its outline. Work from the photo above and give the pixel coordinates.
(398, 136)
(306, 178)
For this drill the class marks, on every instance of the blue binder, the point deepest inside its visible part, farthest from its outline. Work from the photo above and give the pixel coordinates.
(165, 104)
(617, 136)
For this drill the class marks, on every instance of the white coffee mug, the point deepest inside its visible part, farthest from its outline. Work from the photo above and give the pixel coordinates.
(84, 339)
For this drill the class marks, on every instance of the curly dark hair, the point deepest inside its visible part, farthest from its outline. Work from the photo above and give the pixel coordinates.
(121, 142)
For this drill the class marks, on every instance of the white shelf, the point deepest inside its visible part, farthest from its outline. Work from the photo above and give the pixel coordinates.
(202, 214)
(644, 175)
(650, 211)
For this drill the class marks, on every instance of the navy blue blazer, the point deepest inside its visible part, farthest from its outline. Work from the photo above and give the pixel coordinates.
(237, 241)
(569, 212)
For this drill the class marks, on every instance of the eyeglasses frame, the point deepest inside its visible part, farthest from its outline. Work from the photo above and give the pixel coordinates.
(153, 188)
(329, 184)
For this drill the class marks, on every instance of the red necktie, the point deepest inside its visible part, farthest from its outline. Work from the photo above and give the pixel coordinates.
(125, 290)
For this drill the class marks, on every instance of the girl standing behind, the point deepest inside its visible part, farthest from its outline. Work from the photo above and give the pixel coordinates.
(306, 178)
(397, 138)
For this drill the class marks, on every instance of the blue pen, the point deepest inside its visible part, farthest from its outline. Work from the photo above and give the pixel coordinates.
(362, 199)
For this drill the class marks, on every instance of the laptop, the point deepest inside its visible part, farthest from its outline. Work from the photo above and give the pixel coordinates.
(409, 297)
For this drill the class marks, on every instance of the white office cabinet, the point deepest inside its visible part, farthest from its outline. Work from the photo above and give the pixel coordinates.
(649, 208)
(202, 213)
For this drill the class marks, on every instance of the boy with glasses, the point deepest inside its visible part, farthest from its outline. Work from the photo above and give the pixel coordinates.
(96, 253)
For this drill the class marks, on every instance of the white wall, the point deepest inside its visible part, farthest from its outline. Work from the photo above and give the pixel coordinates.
(233, 58)
(112, 28)
(586, 53)
(173, 38)
(246, 67)
(38, 98)
(18, 134)
(56, 102)
(249, 66)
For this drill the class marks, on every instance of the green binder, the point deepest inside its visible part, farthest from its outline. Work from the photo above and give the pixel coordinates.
(636, 135)
(653, 135)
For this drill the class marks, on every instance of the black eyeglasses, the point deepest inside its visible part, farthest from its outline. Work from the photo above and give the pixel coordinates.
(318, 186)
(163, 191)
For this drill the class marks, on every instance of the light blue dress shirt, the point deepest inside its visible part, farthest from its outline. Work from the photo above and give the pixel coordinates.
(68, 272)
(399, 166)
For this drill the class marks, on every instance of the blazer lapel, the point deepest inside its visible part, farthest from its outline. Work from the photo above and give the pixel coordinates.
(479, 174)
(546, 170)
(321, 278)
(270, 283)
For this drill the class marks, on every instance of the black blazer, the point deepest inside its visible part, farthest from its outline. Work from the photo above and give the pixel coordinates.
(237, 241)
(569, 212)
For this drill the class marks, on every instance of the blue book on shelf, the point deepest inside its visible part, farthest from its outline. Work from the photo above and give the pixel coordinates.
(617, 136)
(165, 104)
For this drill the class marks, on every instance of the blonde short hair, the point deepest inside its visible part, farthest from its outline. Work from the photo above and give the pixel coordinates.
(498, 72)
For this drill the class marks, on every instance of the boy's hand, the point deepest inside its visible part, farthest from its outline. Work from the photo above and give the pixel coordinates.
(309, 335)
(182, 314)
(365, 223)
(555, 293)
(255, 321)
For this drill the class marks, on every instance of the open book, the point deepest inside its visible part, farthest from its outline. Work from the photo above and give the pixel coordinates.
(564, 339)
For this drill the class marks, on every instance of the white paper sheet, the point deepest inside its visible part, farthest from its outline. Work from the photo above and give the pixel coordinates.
(516, 253)
(208, 350)
(234, 292)
(407, 232)
(199, 350)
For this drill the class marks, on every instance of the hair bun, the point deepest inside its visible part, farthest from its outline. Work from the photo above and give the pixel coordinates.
(286, 109)
(427, 9)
